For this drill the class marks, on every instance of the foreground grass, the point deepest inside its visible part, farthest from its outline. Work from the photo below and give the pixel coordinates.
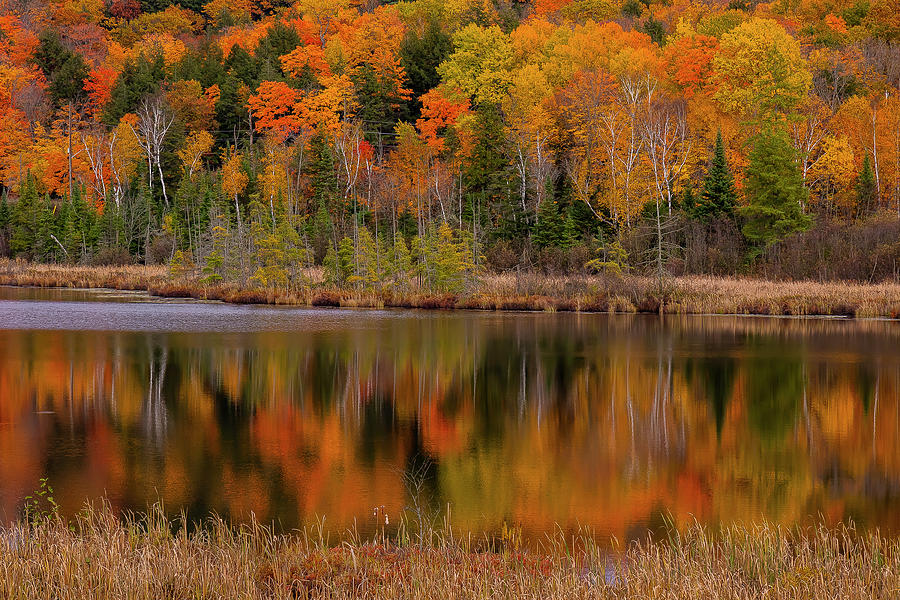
(530, 291)
(99, 555)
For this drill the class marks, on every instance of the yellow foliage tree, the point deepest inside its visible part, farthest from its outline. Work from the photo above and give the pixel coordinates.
(191, 153)
(760, 71)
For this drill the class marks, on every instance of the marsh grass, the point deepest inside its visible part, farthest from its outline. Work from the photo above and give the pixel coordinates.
(146, 556)
(505, 292)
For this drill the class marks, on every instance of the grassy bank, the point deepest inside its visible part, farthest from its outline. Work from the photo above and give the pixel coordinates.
(529, 291)
(99, 555)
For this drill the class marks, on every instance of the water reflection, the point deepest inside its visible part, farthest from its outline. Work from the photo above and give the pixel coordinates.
(538, 420)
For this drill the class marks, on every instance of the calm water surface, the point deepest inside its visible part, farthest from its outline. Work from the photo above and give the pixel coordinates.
(614, 423)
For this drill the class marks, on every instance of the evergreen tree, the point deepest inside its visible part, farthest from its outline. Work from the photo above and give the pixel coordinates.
(269, 254)
(655, 30)
(718, 198)
(866, 192)
(79, 230)
(205, 64)
(320, 169)
(570, 234)
(280, 39)
(241, 65)
(368, 270)
(64, 69)
(138, 79)
(377, 103)
(4, 224)
(452, 260)
(339, 263)
(401, 263)
(488, 174)
(548, 228)
(24, 220)
(106, 229)
(44, 248)
(420, 57)
(231, 110)
(775, 190)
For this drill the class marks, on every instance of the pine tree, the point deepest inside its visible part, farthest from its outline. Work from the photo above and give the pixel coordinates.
(5, 217)
(339, 263)
(488, 173)
(570, 231)
(420, 57)
(138, 79)
(64, 69)
(401, 263)
(452, 260)
(44, 247)
(548, 228)
(718, 198)
(321, 172)
(296, 256)
(24, 220)
(215, 260)
(367, 269)
(865, 188)
(775, 190)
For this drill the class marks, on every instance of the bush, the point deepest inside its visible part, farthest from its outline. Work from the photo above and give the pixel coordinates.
(501, 256)
(160, 250)
(111, 257)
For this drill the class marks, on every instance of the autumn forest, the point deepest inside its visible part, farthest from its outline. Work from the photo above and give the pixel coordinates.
(425, 142)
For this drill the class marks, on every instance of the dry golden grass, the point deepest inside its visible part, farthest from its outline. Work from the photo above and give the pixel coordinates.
(127, 277)
(509, 291)
(99, 555)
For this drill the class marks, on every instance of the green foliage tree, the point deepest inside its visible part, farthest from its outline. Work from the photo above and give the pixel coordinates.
(230, 110)
(5, 217)
(718, 198)
(241, 65)
(453, 260)
(64, 69)
(278, 251)
(655, 30)
(24, 220)
(378, 102)
(214, 264)
(489, 176)
(775, 191)
(368, 269)
(866, 190)
(570, 233)
(549, 226)
(280, 39)
(205, 64)
(420, 57)
(139, 78)
(443, 259)
(44, 248)
(401, 263)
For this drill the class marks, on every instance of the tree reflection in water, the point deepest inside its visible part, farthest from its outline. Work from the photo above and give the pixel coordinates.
(537, 420)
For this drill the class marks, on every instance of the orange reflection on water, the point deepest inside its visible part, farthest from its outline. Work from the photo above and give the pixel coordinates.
(539, 420)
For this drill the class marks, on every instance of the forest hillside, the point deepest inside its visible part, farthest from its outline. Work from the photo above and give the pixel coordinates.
(429, 141)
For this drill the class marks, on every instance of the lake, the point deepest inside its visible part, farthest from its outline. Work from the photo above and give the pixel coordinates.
(539, 421)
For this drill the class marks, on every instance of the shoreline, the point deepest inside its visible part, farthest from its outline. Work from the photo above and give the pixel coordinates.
(529, 292)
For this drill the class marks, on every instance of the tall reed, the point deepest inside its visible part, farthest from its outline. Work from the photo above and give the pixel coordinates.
(146, 556)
